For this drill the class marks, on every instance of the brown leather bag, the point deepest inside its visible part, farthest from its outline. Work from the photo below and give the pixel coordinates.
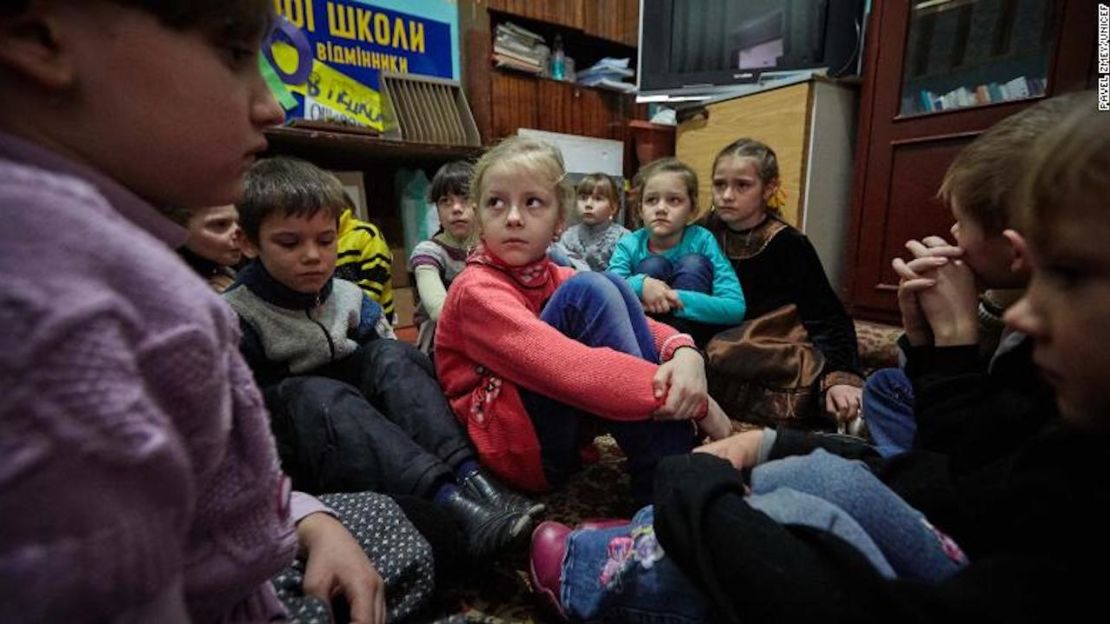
(767, 371)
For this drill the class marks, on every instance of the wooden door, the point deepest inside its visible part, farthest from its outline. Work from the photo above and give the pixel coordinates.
(901, 157)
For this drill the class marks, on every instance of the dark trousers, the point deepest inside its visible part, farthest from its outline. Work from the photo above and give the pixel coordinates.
(692, 272)
(376, 420)
(600, 310)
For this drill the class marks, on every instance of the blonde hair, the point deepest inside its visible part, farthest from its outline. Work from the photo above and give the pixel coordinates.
(529, 154)
(982, 178)
(670, 165)
(766, 164)
(1067, 177)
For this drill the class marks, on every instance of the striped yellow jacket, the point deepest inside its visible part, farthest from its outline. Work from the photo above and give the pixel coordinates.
(365, 259)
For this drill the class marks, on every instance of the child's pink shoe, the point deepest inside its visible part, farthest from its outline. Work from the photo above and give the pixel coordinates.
(549, 545)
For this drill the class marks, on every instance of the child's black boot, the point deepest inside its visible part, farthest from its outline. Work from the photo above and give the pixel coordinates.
(481, 487)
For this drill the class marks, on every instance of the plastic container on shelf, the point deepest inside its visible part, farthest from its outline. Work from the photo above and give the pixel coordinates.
(558, 60)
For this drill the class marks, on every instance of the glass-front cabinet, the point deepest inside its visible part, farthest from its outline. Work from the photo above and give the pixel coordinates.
(963, 53)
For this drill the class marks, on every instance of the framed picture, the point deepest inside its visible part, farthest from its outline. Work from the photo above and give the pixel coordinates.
(353, 184)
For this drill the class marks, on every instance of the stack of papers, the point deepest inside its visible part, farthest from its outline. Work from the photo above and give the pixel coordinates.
(520, 49)
(608, 73)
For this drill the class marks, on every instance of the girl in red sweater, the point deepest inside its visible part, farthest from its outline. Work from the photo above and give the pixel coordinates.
(528, 351)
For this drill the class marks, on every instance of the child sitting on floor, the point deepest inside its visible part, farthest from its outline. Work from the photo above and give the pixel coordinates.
(212, 249)
(390, 419)
(674, 267)
(595, 238)
(527, 350)
(795, 360)
(436, 262)
(940, 313)
(138, 480)
(1030, 522)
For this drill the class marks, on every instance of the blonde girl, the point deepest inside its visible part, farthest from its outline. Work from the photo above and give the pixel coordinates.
(675, 267)
(527, 352)
(596, 236)
(781, 269)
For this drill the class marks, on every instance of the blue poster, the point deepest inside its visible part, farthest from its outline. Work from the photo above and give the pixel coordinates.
(324, 58)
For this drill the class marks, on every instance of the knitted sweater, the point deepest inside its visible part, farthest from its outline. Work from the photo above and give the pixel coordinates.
(137, 471)
(290, 333)
(724, 306)
(594, 243)
(490, 342)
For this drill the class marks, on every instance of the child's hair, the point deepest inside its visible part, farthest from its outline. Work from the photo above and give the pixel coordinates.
(599, 182)
(766, 163)
(671, 165)
(179, 214)
(292, 186)
(530, 154)
(452, 178)
(982, 178)
(220, 20)
(1067, 177)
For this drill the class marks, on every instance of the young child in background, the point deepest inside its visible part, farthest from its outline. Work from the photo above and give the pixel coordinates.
(139, 480)
(212, 249)
(595, 238)
(365, 258)
(391, 423)
(1030, 521)
(527, 351)
(674, 267)
(796, 357)
(436, 262)
(939, 300)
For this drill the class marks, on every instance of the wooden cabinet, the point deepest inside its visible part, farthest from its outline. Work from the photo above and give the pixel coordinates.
(938, 74)
(615, 20)
(504, 101)
(521, 101)
(811, 126)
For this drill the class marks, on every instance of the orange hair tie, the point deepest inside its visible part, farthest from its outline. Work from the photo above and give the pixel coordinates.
(777, 200)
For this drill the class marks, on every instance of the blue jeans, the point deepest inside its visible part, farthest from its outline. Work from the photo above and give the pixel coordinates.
(621, 574)
(888, 411)
(692, 272)
(913, 547)
(600, 310)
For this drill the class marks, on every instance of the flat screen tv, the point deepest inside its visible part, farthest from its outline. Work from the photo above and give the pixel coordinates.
(691, 46)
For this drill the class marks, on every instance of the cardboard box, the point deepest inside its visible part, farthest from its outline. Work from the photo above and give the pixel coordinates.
(401, 276)
(404, 305)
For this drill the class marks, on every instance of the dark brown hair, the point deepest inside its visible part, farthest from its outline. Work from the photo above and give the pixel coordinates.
(292, 187)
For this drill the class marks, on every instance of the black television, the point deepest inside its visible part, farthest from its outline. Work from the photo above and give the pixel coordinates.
(710, 46)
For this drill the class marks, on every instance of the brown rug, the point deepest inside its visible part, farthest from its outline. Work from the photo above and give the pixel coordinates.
(503, 594)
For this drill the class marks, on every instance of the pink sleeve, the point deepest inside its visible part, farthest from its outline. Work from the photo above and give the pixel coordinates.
(534, 355)
(302, 505)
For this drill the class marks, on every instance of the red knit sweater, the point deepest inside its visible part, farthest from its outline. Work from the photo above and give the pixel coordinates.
(490, 341)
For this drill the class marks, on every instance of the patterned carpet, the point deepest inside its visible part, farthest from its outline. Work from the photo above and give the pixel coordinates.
(503, 595)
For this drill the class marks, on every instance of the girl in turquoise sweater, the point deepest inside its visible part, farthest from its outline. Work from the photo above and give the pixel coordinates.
(676, 268)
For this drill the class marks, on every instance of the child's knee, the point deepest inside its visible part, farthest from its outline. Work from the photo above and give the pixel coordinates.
(655, 266)
(693, 263)
(592, 283)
